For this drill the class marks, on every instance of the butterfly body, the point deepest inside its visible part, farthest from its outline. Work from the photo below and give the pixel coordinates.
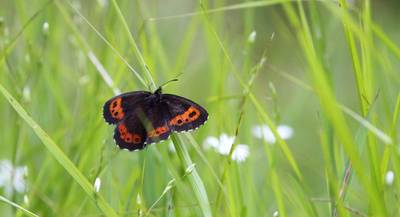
(143, 117)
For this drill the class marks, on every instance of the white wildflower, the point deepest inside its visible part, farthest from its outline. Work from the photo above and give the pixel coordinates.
(212, 142)
(240, 153)
(12, 177)
(252, 37)
(97, 184)
(223, 144)
(389, 178)
(275, 214)
(285, 131)
(264, 132)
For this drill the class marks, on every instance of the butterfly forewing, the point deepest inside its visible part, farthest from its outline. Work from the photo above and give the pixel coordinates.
(117, 108)
(184, 114)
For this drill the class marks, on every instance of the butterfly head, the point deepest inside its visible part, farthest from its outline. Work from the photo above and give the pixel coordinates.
(158, 91)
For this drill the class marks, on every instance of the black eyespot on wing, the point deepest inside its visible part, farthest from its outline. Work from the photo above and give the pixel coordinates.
(184, 114)
(158, 134)
(118, 107)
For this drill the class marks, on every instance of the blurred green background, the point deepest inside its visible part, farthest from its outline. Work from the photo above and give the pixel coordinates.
(61, 60)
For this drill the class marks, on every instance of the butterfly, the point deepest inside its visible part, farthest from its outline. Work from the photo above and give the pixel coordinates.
(143, 117)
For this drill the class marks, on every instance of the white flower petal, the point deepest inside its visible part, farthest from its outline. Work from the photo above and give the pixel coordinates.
(257, 132)
(224, 149)
(268, 135)
(211, 142)
(224, 139)
(286, 132)
(225, 144)
(5, 171)
(240, 153)
(19, 179)
(12, 177)
(264, 132)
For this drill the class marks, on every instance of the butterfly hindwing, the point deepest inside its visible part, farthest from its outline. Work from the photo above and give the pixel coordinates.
(130, 133)
(184, 114)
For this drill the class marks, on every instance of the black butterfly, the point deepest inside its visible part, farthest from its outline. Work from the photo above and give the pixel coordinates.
(143, 117)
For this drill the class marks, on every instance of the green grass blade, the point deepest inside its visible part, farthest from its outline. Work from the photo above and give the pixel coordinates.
(136, 50)
(103, 38)
(59, 155)
(194, 178)
(5, 200)
(386, 40)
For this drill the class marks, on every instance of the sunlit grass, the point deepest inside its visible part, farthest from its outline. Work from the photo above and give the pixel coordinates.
(327, 69)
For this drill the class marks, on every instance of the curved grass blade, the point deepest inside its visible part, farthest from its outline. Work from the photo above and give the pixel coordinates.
(5, 200)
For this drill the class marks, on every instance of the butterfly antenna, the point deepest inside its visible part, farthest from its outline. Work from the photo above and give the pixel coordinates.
(172, 80)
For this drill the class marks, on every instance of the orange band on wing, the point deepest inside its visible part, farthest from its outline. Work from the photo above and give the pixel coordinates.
(188, 116)
(128, 137)
(116, 109)
(158, 131)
